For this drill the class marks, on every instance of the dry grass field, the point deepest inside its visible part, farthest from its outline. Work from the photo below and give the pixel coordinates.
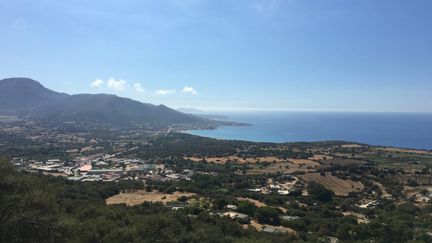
(338, 186)
(282, 167)
(305, 162)
(139, 197)
(236, 159)
(317, 157)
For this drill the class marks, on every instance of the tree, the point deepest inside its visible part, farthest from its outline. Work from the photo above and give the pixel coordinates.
(343, 232)
(246, 207)
(319, 192)
(220, 203)
(267, 215)
(27, 208)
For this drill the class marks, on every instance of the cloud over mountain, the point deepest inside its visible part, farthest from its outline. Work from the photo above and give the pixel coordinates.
(189, 90)
(97, 83)
(27, 98)
(117, 85)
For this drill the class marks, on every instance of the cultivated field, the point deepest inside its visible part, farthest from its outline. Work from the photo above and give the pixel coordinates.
(341, 162)
(305, 162)
(338, 186)
(282, 167)
(139, 197)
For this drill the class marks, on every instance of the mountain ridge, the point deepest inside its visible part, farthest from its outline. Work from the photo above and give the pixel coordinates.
(25, 97)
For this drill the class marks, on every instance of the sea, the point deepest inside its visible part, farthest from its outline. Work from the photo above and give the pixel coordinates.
(403, 130)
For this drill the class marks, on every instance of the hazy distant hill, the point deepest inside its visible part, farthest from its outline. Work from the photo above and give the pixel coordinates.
(190, 110)
(25, 97)
(205, 115)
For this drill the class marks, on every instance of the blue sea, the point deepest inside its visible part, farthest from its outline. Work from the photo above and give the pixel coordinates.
(405, 130)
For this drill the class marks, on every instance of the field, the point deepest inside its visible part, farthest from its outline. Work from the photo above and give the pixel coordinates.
(409, 162)
(282, 167)
(139, 197)
(316, 157)
(338, 186)
(341, 162)
(400, 150)
(304, 162)
(236, 159)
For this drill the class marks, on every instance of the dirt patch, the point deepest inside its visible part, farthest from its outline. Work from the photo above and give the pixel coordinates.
(338, 186)
(385, 194)
(317, 157)
(139, 197)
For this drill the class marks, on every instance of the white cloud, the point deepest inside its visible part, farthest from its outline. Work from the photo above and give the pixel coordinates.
(165, 91)
(138, 88)
(97, 83)
(117, 85)
(189, 90)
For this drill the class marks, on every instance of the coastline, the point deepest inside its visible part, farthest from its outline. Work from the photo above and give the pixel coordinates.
(407, 131)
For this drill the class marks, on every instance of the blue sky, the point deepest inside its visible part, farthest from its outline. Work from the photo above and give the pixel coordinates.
(350, 55)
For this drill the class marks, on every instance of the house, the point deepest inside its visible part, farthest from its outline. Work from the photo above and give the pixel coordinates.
(231, 207)
(239, 217)
(269, 230)
(254, 190)
(283, 192)
(76, 178)
(289, 218)
(275, 229)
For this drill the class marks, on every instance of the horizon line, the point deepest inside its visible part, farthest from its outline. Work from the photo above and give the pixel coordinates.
(245, 109)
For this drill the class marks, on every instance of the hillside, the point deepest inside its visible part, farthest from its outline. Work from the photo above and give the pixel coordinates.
(23, 97)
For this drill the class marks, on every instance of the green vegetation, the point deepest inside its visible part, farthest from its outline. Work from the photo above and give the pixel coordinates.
(47, 209)
(297, 189)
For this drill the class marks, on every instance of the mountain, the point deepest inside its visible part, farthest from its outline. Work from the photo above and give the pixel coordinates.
(205, 115)
(23, 97)
(188, 110)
